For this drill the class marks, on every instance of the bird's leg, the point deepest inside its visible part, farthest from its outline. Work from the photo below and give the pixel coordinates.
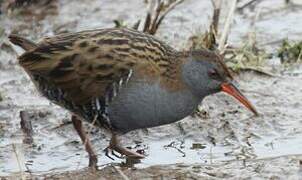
(77, 123)
(115, 146)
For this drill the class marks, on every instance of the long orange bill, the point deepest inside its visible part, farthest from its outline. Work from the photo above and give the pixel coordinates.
(233, 91)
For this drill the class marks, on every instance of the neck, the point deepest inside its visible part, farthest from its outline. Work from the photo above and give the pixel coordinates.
(171, 72)
(174, 106)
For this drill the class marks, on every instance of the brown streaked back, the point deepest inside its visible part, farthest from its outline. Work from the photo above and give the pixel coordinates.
(84, 64)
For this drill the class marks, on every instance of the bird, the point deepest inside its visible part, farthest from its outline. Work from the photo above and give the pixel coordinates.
(120, 80)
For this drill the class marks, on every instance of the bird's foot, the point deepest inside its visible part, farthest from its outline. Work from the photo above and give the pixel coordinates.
(124, 152)
(127, 152)
(115, 146)
(109, 151)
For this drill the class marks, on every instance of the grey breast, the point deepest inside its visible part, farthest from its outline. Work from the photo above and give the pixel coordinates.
(142, 105)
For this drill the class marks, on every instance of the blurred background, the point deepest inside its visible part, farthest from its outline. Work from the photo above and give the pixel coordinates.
(221, 140)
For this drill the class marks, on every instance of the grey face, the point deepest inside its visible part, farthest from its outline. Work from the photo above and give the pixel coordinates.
(202, 76)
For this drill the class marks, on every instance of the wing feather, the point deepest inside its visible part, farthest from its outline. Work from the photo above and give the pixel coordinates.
(84, 65)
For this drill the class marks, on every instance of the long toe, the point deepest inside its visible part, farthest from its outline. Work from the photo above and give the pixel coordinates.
(106, 150)
(127, 152)
(116, 155)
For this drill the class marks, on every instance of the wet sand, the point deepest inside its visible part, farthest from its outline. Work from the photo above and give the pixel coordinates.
(235, 144)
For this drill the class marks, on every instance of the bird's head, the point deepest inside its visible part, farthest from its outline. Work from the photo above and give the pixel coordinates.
(205, 73)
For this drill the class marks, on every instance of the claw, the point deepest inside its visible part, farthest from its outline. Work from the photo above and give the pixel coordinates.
(116, 155)
(114, 146)
(106, 150)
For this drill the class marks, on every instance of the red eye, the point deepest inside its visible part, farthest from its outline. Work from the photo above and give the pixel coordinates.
(213, 72)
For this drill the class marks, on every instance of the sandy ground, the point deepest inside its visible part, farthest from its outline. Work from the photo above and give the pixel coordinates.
(235, 144)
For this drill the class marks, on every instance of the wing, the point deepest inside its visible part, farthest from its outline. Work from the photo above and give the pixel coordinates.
(84, 65)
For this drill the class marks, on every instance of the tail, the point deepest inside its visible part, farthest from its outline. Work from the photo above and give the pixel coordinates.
(22, 42)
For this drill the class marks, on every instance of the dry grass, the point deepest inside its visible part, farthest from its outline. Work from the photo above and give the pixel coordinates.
(29, 9)
(245, 57)
(290, 52)
(157, 11)
(13, 4)
(19, 161)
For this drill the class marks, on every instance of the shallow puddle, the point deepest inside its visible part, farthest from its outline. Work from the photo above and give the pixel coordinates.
(237, 135)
